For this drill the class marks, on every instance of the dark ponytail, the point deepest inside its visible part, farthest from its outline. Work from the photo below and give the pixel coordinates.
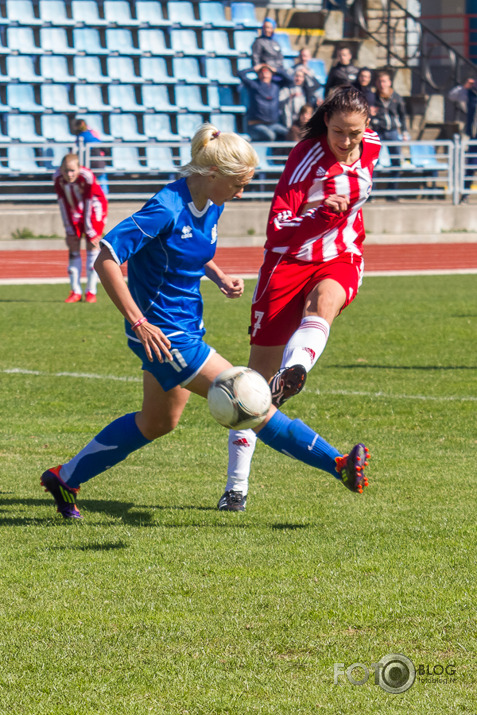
(346, 99)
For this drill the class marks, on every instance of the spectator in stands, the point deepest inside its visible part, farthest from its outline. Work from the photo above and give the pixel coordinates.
(466, 96)
(91, 136)
(265, 49)
(298, 128)
(389, 120)
(264, 105)
(293, 98)
(83, 208)
(364, 82)
(312, 84)
(344, 72)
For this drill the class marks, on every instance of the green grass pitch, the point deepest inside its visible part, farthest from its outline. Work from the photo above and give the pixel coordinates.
(158, 603)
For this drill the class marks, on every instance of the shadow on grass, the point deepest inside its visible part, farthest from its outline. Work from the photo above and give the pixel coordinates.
(367, 366)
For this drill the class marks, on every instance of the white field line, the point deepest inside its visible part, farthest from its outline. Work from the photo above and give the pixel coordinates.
(343, 393)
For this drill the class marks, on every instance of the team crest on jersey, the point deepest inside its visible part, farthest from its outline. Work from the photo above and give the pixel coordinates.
(186, 232)
(214, 234)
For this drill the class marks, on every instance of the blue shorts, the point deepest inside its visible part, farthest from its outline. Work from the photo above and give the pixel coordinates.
(189, 356)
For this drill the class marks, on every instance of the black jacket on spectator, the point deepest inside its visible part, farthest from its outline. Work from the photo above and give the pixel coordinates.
(367, 91)
(264, 105)
(266, 50)
(391, 114)
(341, 74)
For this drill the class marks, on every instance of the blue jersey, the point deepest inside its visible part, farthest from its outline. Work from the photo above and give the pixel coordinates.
(167, 244)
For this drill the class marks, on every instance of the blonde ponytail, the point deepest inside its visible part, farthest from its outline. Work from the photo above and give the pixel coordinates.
(230, 153)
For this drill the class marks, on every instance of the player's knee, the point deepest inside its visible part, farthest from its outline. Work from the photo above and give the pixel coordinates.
(155, 428)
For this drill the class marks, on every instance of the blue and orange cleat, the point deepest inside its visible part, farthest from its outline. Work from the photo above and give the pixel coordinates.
(64, 496)
(74, 297)
(351, 466)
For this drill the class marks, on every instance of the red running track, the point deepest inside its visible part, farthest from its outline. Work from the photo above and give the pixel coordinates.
(246, 260)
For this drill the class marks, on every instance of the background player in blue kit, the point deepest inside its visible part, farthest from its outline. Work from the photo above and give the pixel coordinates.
(169, 245)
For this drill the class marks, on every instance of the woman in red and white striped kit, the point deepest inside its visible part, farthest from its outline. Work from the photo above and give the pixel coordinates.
(313, 262)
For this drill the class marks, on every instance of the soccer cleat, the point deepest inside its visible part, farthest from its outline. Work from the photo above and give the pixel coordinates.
(90, 297)
(74, 297)
(286, 383)
(64, 496)
(232, 501)
(351, 468)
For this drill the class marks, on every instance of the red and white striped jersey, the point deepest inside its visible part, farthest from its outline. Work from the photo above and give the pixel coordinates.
(83, 205)
(312, 174)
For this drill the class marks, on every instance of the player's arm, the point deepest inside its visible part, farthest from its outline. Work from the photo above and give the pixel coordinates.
(230, 286)
(111, 277)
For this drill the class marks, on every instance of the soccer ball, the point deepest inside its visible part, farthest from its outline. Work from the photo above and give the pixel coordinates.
(239, 398)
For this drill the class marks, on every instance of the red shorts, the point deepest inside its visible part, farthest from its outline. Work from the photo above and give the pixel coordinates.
(283, 286)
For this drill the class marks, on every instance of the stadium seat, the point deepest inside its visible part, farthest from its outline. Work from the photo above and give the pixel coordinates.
(88, 69)
(158, 126)
(154, 69)
(221, 98)
(118, 12)
(243, 41)
(266, 160)
(22, 159)
(149, 12)
(185, 42)
(219, 69)
(185, 154)
(224, 122)
(22, 68)
(53, 12)
(124, 126)
(212, 14)
(283, 39)
(188, 124)
(125, 159)
(159, 158)
(123, 97)
(21, 11)
(187, 69)
(55, 69)
(121, 69)
(319, 69)
(89, 98)
(384, 161)
(188, 96)
(55, 40)
(87, 40)
(121, 41)
(152, 42)
(423, 156)
(22, 127)
(155, 96)
(217, 42)
(22, 97)
(52, 156)
(55, 97)
(86, 12)
(181, 12)
(55, 127)
(243, 13)
(22, 40)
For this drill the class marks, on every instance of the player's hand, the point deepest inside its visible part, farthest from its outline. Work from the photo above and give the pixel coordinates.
(232, 287)
(337, 203)
(154, 341)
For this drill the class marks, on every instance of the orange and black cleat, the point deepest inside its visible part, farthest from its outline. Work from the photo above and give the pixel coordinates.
(351, 466)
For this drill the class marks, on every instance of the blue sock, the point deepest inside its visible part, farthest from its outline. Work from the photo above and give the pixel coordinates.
(299, 441)
(110, 446)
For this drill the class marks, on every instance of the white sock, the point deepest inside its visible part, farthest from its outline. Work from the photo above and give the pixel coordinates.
(307, 343)
(241, 448)
(74, 272)
(91, 275)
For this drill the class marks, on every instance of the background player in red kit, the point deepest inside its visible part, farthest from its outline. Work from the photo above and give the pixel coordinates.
(313, 262)
(84, 208)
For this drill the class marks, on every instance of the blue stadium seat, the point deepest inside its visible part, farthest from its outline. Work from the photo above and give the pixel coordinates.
(243, 13)
(88, 69)
(219, 69)
(187, 69)
(22, 68)
(52, 156)
(121, 69)
(55, 127)
(21, 11)
(121, 41)
(188, 96)
(217, 42)
(124, 126)
(185, 154)
(152, 42)
(188, 124)
(22, 160)
(125, 159)
(423, 156)
(123, 97)
(22, 97)
(149, 12)
(86, 12)
(89, 98)
(243, 41)
(159, 158)
(154, 69)
(283, 39)
(212, 14)
(185, 42)
(88, 40)
(181, 13)
(55, 40)
(22, 127)
(22, 40)
(319, 69)
(55, 97)
(221, 98)
(384, 161)
(224, 122)
(155, 96)
(53, 12)
(54, 68)
(266, 160)
(158, 126)
(118, 12)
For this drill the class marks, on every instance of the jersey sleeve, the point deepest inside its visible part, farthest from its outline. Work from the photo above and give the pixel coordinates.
(132, 234)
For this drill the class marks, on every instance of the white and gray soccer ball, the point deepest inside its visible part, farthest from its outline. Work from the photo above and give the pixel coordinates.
(239, 398)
